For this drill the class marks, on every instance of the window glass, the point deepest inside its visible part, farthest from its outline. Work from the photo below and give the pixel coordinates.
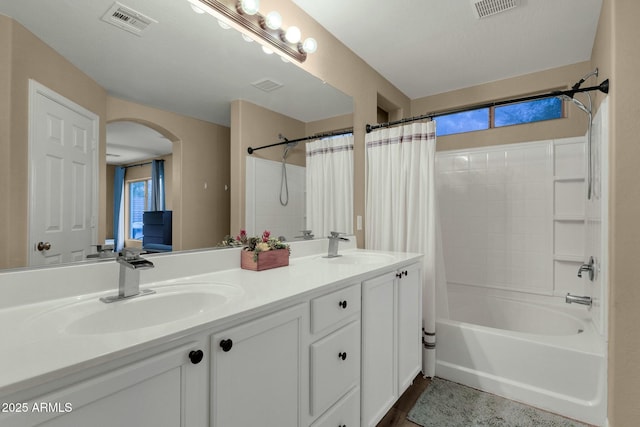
(139, 201)
(466, 121)
(528, 112)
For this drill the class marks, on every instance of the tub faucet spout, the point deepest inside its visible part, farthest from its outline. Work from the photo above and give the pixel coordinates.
(584, 300)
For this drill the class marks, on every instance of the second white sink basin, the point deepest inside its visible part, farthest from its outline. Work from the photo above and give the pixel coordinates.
(169, 304)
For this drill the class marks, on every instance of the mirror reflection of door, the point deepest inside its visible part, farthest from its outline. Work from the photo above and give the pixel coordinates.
(133, 147)
(63, 147)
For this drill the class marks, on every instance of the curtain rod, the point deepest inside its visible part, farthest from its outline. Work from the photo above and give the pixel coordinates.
(141, 164)
(306, 138)
(602, 87)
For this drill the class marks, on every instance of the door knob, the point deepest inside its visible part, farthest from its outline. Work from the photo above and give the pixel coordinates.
(196, 356)
(43, 246)
(226, 345)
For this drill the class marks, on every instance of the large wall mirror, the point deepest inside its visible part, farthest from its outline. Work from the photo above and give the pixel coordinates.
(183, 90)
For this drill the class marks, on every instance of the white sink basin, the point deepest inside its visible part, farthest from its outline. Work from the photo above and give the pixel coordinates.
(361, 258)
(169, 304)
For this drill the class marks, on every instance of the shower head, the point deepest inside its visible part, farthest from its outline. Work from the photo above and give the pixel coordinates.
(579, 104)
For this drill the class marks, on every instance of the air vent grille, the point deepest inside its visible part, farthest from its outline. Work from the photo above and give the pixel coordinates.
(128, 19)
(267, 85)
(486, 8)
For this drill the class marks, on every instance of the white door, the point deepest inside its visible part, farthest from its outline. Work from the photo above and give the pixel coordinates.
(63, 150)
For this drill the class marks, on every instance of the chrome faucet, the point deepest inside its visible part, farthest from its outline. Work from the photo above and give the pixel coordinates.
(129, 284)
(334, 239)
(306, 235)
(588, 267)
(584, 300)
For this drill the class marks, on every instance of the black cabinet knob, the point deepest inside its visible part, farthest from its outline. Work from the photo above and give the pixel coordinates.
(406, 273)
(343, 304)
(226, 344)
(399, 275)
(342, 355)
(196, 356)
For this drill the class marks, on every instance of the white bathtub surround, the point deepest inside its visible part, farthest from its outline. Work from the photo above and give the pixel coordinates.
(545, 355)
(329, 180)
(263, 208)
(516, 227)
(401, 206)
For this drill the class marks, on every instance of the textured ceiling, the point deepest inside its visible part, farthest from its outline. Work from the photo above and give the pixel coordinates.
(425, 47)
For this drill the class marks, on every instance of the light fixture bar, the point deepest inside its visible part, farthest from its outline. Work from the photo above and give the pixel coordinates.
(253, 24)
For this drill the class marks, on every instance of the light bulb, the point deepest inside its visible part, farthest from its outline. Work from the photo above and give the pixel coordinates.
(293, 35)
(267, 50)
(196, 9)
(250, 7)
(273, 20)
(310, 45)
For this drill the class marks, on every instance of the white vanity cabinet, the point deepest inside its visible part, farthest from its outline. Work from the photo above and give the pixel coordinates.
(335, 358)
(163, 390)
(391, 339)
(258, 371)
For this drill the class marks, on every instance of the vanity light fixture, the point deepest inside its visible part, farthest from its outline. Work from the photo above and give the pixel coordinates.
(245, 17)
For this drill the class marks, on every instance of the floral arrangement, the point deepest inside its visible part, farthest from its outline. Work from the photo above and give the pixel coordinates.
(255, 244)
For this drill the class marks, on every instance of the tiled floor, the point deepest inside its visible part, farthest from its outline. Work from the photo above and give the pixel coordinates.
(397, 416)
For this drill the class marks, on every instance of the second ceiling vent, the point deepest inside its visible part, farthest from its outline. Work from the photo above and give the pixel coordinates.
(486, 8)
(128, 19)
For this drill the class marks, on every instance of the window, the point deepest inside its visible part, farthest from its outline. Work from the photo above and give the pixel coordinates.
(504, 115)
(466, 121)
(527, 112)
(139, 201)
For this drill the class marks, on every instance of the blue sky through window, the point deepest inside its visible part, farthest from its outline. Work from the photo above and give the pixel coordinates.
(528, 112)
(462, 122)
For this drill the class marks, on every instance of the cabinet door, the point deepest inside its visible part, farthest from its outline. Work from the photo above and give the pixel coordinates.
(379, 377)
(409, 326)
(257, 369)
(164, 390)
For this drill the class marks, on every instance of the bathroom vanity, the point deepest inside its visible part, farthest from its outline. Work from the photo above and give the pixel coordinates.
(322, 342)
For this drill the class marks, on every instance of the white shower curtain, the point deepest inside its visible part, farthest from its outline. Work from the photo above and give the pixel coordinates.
(401, 207)
(329, 170)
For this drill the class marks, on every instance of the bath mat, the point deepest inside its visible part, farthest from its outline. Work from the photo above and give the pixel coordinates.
(447, 404)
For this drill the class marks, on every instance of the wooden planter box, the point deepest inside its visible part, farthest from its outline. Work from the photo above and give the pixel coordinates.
(266, 260)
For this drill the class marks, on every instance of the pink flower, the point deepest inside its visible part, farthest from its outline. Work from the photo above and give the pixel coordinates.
(242, 236)
(265, 236)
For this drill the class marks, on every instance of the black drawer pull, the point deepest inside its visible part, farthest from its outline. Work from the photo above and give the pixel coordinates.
(196, 356)
(343, 304)
(226, 344)
(342, 355)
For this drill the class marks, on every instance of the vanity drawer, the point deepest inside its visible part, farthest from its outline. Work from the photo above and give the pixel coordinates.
(330, 309)
(344, 413)
(335, 366)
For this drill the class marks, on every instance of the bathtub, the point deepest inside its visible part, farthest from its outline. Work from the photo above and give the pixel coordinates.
(531, 352)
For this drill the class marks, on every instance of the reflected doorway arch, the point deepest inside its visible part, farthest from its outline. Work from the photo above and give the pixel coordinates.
(131, 141)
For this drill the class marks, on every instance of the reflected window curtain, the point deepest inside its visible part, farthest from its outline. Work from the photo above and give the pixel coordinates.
(118, 209)
(157, 185)
(329, 181)
(400, 209)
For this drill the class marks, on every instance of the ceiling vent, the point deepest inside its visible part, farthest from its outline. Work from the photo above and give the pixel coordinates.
(486, 8)
(267, 85)
(128, 19)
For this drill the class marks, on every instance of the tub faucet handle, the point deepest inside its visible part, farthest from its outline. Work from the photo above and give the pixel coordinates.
(590, 267)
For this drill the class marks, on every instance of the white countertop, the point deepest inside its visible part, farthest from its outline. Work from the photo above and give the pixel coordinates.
(37, 346)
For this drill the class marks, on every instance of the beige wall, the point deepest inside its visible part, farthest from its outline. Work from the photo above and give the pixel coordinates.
(201, 169)
(5, 135)
(616, 54)
(30, 58)
(574, 124)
